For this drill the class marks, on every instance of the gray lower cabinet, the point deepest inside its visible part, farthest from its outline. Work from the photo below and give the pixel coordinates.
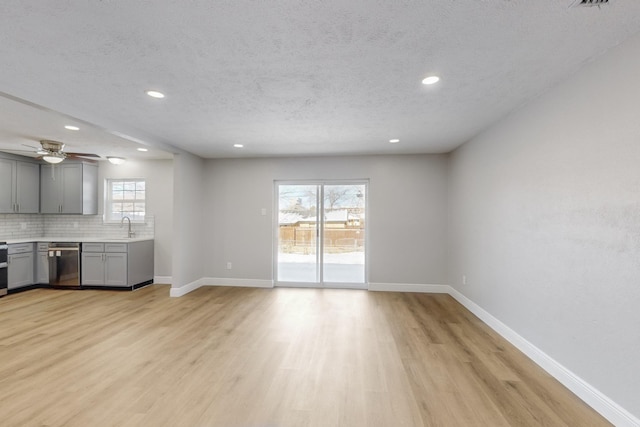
(117, 264)
(100, 268)
(20, 189)
(69, 188)
(20, 265)
(42, 264)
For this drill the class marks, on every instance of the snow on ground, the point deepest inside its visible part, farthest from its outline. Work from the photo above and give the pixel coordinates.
(343, 258)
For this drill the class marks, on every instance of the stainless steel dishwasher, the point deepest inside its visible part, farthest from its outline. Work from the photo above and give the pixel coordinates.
(64, 264)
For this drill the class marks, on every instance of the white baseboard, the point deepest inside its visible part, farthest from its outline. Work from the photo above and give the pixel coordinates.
(409, 287)
(183, 290)
(609, 409)
(162, 280)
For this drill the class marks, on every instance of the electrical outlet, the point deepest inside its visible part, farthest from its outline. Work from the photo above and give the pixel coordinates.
(263, 211)
(228, 265)
(464, 279)
(75, 224)
(23, 226)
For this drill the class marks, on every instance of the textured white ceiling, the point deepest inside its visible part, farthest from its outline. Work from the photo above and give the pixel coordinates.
(298, 77)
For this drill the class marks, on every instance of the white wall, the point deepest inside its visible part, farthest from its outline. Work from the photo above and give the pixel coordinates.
(189, 236)
(407, 213)
(545, 223)
(159, 204)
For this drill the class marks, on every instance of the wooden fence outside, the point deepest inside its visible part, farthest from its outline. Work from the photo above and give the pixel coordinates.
(301, 239)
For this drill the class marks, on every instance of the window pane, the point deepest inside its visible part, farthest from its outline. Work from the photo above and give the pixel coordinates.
(125, 197)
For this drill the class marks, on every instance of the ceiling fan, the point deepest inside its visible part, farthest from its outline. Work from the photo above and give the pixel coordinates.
(53, 152)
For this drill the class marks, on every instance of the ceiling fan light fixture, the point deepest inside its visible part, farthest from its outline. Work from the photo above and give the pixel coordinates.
(53, 158)
(116, 160)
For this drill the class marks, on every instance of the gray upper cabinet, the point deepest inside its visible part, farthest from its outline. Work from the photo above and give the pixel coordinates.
(7, 188)
(69, 188)
(28, 187)
(20, 188)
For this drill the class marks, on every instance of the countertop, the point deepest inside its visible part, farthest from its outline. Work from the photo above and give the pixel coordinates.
(77, 239)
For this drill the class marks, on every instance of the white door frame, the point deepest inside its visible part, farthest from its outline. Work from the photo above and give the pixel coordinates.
(320, 234)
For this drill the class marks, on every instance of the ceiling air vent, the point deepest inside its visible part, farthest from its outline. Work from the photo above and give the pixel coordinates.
(589, 3)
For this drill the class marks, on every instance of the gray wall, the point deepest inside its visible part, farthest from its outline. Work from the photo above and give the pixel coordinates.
(189, 193)
(407, 213)
(545, 223)
(159, 178)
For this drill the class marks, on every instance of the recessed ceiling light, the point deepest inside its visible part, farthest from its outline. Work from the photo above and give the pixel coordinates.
(155, 94)
(142, 149)
(69, 127)
(238, 145)
(430, 80)
(394, 141)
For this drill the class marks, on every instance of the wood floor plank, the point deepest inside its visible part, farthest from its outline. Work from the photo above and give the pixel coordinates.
(266, 357)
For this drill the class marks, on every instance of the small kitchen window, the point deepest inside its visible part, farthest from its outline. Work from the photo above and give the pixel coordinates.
(125, 197)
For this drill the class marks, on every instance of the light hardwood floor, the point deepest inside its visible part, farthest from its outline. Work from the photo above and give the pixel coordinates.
(265, 357)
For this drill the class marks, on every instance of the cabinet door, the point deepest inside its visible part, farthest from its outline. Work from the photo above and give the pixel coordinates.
(50, 178)
(27, 187)
(71, 188)
(115, 269)
(92, 270)
(20, 270)
(42, 268)
(7, 186)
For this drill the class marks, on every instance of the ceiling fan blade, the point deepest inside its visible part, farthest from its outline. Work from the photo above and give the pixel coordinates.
(11, 150)
(91, 158)
(81, 155)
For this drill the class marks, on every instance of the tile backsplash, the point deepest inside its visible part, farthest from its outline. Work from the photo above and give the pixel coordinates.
(17, 226)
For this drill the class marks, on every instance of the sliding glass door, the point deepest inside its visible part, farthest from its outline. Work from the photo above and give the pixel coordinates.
(320, 234)
(298, 234)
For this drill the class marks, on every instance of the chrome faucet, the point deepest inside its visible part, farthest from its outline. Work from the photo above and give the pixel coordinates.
(130, 233)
